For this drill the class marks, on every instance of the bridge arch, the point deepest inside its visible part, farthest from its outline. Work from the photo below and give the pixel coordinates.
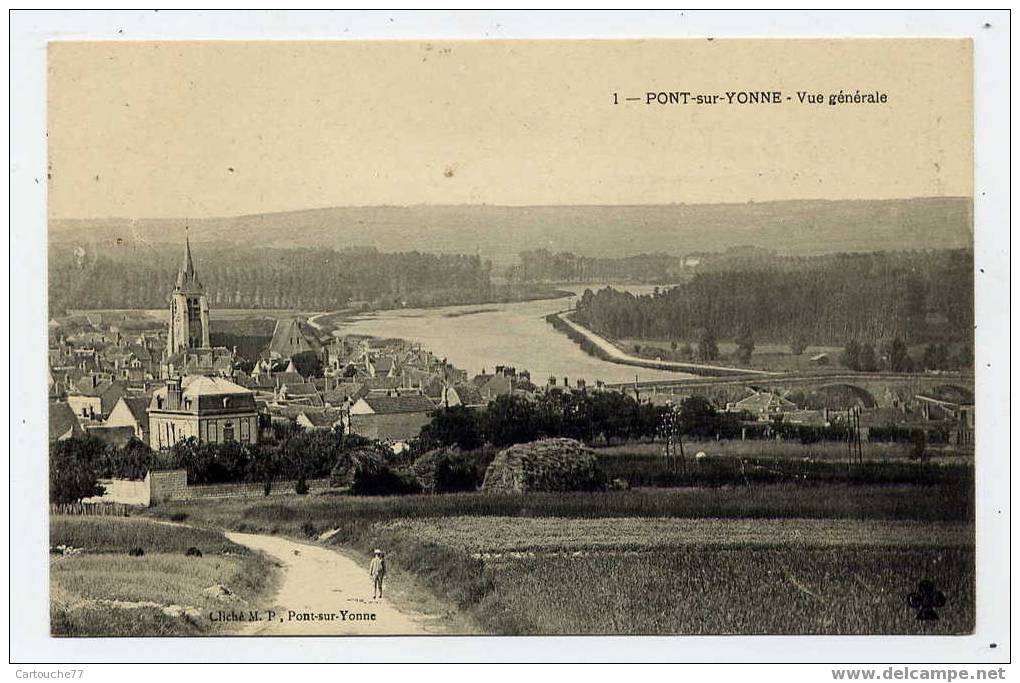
(840, 396)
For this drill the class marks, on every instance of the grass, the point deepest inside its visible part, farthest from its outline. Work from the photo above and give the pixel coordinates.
(121, 534)
(498, 536)
(687, 560)
(729, 591)
(301, 516)
(762, 537)
(794, 450)
(106, 592)
(725, 463)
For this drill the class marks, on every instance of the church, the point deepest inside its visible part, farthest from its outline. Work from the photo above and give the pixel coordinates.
(197, 400)
(188, 351)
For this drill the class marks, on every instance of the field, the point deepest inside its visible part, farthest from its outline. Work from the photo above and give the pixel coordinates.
(100, 589)
(499, 536)
(784, 462)
(723, 590)
(790, 558)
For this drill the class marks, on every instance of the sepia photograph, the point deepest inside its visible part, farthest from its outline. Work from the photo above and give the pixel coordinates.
(512, 337)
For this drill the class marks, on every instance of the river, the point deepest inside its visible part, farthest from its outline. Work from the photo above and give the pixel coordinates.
(478, 337)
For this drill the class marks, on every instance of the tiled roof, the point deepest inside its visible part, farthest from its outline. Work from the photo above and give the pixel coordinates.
(137, 406)
(300, 389)
(321, 418)
(399, 404)
(764, 400)
(469, 395)
(63, 420)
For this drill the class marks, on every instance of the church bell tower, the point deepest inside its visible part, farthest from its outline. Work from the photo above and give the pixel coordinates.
(189, 309)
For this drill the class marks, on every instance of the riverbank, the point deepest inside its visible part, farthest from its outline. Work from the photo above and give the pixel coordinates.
(602, 348)
(329, 321)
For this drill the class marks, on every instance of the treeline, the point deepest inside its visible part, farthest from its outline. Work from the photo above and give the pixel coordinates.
(254, 277)
(604, 417)
(287, 452)
(514, 419)
(914, 296)
(542, 265)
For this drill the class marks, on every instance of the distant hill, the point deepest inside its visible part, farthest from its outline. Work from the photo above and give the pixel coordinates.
(500, 232)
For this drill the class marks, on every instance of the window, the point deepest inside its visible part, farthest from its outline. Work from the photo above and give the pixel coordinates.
(245, 432)
(228, 432)
(212, 431)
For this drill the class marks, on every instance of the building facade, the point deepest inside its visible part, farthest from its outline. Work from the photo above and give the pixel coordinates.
(390, 418)
(211, 409)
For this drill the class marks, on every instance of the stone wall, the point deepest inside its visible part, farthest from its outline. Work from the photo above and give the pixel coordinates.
(167, 485)
(170, 485)
(252, 489)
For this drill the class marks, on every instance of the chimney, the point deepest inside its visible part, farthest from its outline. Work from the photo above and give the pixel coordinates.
(173, 393)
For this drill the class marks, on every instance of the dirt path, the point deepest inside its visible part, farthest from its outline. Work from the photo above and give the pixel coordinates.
(321, 581)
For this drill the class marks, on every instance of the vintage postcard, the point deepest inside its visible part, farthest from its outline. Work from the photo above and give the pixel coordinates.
(512, 337)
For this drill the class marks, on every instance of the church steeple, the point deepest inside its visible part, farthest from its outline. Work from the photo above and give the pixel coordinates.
(189, 309)
(189, 266)
(186, 277)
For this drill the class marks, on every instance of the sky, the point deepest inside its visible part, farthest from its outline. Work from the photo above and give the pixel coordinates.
(204, 129)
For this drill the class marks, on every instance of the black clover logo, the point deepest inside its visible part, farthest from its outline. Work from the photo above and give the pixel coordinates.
(925, 599)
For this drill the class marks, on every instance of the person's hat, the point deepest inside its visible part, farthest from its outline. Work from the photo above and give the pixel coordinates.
(378, 552)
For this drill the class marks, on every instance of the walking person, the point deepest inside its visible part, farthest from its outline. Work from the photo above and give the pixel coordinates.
(377, 570)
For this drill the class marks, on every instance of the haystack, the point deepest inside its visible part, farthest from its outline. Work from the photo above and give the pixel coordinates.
(546, 465)
(356, 465)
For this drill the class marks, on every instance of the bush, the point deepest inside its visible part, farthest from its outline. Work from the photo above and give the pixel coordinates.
(301, 487)
(178, 516)
(193, 552)
(364, 472)
(74, 469)
(309, 530)
(385, 483)
(136, 552)
(454, 426)
(131, 461)
(446, 470)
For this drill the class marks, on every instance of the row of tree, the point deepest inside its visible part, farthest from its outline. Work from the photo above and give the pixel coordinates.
(542, 265)
(254, 277)
(893, 356)
(587, 417)
(915, 296)
(288, 453)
